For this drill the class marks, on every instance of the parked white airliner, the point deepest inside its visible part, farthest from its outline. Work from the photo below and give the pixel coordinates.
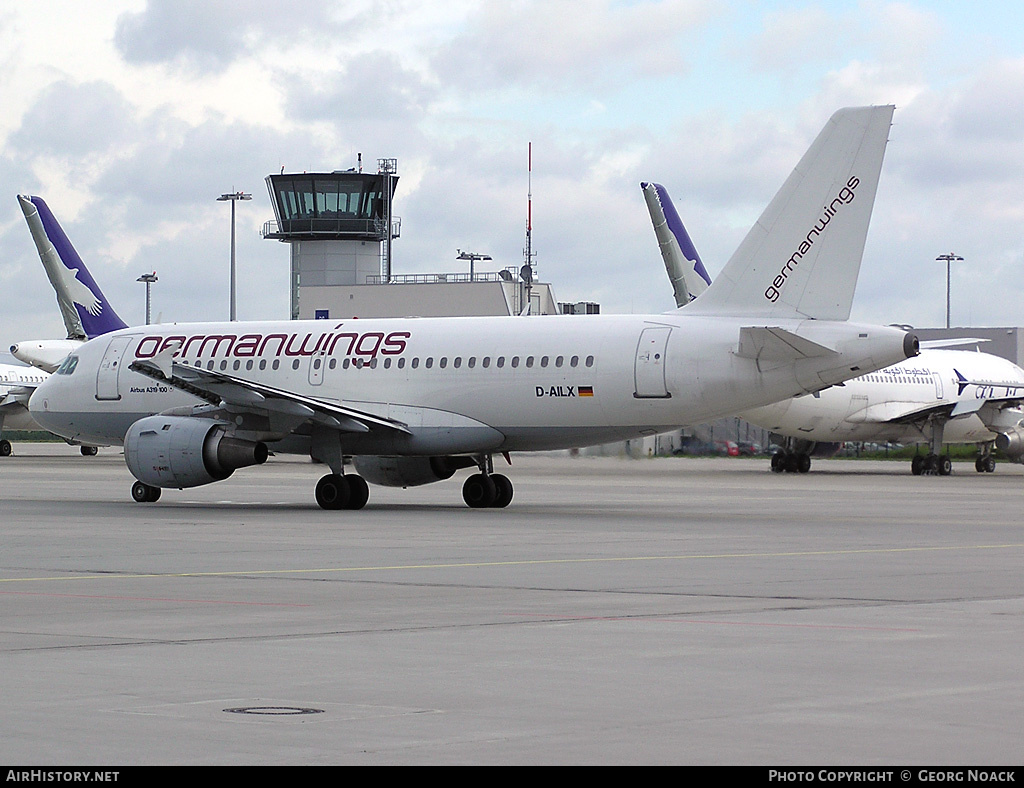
(16, 387)
(414, 399)
(939, 397)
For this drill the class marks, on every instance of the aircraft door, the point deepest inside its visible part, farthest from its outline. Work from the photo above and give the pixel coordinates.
(649, 368)
(938, 385)
(110, 367)
(317, 362)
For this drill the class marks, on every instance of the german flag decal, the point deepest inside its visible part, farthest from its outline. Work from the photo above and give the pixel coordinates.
(586, 391)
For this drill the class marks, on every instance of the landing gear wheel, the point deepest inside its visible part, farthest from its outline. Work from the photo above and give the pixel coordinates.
(803, 462)
(332, 492)
(944, 466)
(358, 492)
(5, 448)
(145, 493)
(89, 451)
(503, 491)
(778, 462)
(979, 465)
(791, 463)
(479, 491)
(990, 464)
(917, 465)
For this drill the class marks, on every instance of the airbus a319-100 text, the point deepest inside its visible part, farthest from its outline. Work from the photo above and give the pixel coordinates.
(412, 400)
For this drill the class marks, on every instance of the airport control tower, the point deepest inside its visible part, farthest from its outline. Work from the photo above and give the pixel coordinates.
(338, 224)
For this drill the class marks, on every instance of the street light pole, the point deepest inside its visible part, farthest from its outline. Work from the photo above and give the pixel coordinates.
(148, 279)
(472, 257)
(233, 198)
(949, 258)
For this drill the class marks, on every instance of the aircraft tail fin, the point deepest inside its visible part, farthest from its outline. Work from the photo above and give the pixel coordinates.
(685, 270)
(802, 256)
(85, 309)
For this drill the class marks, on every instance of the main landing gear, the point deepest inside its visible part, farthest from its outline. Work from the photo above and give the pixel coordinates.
(145, 493)
(5, 448)
(342, 491)
(487, 490)
(985, 463)
(791, 461)
(933, 463)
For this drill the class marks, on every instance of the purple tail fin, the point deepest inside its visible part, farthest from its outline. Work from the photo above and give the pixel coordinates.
(95, 312)
(685, 270)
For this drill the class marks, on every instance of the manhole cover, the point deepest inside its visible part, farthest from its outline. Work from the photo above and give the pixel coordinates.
(274, 710)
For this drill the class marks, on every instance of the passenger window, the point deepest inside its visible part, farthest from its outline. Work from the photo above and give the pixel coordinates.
(590, 361)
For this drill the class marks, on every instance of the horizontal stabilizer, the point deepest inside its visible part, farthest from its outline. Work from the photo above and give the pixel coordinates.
(935, 344)
(778, 344)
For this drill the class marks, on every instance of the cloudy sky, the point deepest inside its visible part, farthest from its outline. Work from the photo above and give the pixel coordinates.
(130, 117)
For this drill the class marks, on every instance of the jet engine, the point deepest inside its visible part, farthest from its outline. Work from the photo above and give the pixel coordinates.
(409, 471)
(1011, 443)
(177, 451)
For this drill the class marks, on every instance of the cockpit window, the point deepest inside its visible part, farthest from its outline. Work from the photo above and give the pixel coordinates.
(68, 365)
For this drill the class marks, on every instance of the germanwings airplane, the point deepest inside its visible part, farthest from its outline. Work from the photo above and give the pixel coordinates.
(83, 307)
(941, 396)
(412, 400)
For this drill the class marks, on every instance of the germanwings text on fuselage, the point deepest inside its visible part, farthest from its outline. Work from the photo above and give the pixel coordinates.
(367, 345)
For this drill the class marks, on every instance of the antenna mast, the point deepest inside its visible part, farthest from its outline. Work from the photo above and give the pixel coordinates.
(527, 273)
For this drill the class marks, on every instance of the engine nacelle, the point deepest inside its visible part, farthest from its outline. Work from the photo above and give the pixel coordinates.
(1011, 443)
(177, 451)
(409, 471)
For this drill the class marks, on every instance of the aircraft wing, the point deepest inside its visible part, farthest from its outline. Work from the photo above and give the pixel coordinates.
(913, 412)
(16, 397)
(238, 395)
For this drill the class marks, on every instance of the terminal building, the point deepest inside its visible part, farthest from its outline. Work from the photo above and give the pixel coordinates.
(340, 228)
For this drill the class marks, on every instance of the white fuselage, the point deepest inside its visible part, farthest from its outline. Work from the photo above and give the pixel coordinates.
(15, 381)
(879, 406)
(464, 385)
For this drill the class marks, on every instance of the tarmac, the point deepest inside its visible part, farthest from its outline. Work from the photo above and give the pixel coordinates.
(659, 611)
